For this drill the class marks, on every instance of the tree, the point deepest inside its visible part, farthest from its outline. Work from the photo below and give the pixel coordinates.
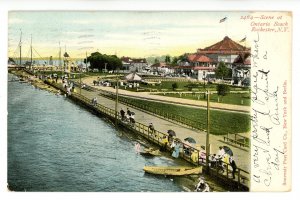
(168, 59)
(223, 89)
(98, 61)
(156, 61)
(174, 61)
(222, 70)
(174, 86)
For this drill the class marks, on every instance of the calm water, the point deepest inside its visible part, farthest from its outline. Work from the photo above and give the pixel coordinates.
(56, 145)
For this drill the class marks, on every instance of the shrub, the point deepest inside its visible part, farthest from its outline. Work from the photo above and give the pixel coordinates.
(174, 86)
(223, 89)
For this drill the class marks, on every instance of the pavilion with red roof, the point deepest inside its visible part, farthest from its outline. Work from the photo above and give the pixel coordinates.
(225, 51)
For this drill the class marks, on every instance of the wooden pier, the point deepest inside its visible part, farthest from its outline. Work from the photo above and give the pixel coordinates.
(240, 183)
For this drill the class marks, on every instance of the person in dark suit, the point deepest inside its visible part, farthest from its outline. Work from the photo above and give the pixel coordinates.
(233, 165)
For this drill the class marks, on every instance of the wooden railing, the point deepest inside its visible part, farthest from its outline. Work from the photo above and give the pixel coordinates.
(177, 118)
(237, 139)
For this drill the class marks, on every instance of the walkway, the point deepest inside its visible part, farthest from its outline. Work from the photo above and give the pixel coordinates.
(242, 157)
(186, 102)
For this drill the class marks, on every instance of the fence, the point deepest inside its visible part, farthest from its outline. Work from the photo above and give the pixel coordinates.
(237, 139)
(170, 116)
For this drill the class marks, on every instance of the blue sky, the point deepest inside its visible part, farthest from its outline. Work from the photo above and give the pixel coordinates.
(135, 34)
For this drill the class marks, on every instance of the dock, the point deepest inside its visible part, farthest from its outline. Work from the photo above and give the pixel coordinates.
(105, 107)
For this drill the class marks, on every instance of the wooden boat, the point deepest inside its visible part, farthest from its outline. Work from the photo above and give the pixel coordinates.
(150, 152)
(173, 170)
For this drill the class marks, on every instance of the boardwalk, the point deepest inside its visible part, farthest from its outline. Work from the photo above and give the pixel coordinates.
(242, 156)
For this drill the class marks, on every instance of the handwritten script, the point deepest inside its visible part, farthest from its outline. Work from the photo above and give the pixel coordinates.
(267, 154)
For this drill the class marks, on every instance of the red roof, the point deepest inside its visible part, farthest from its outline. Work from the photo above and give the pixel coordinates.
(225, 46)
(199, 58)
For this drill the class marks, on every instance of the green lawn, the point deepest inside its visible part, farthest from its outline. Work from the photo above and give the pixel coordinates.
(182, 86)
(221, 122)
(236, 99)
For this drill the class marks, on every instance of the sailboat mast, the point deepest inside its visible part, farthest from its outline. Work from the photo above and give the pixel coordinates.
(31, 52)
(86, 60)
(20, 48)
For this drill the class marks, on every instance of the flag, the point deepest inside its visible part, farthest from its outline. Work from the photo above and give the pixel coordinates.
(244, 39)
(223, 20)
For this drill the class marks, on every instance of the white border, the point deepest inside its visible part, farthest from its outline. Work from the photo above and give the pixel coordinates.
(187, 5)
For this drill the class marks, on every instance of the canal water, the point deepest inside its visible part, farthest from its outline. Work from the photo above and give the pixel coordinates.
(56, 145)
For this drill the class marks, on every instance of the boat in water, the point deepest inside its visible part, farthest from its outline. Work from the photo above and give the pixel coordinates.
(173, 170)
(150, 152)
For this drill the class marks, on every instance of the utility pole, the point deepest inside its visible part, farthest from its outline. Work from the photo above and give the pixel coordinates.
(117, 98)
(207, 132)
(60, 58)
(86, 60)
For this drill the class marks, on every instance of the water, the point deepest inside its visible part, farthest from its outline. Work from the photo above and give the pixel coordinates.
(56, 145)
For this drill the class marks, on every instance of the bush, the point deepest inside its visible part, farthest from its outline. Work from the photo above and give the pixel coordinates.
(223, 89)
(174, 86)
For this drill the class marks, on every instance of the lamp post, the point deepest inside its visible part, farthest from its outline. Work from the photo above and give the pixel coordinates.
(117, 98)
(80, 82)
(207, 131)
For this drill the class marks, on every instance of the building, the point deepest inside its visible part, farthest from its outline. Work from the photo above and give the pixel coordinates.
(241, 69)
(197, 66)
(225, 51)
(162, 68)
(202, 64)
(134, 64)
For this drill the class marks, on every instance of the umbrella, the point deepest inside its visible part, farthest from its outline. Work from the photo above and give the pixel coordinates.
(190, 140)
(171, 133)
(228, 150)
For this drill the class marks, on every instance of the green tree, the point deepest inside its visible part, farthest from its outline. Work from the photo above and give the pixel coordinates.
(98, 61)
(174, 61)
(174, 86)
(222, 70)
(223, 89)
(156, 61)
(168, 59)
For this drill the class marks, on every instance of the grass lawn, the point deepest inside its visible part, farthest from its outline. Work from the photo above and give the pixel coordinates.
(221, 122)
(236, 99)
(182, 86)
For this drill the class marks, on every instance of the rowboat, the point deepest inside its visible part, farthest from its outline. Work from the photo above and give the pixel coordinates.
(173, 170)
(150, 152)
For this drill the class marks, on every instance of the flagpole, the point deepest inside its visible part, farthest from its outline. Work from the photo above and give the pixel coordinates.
(226, 25)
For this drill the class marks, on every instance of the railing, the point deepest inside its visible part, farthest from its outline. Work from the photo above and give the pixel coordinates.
(170, 116)
(223, 169)
(238, 139)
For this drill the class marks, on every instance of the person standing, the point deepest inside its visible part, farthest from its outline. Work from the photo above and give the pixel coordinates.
(233, 165)
(122, 112)
(221, 153)
(137, 148)
(175, 152)
(151, 127)
(128, 112)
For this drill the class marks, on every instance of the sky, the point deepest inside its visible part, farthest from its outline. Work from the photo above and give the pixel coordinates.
(128, 33)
